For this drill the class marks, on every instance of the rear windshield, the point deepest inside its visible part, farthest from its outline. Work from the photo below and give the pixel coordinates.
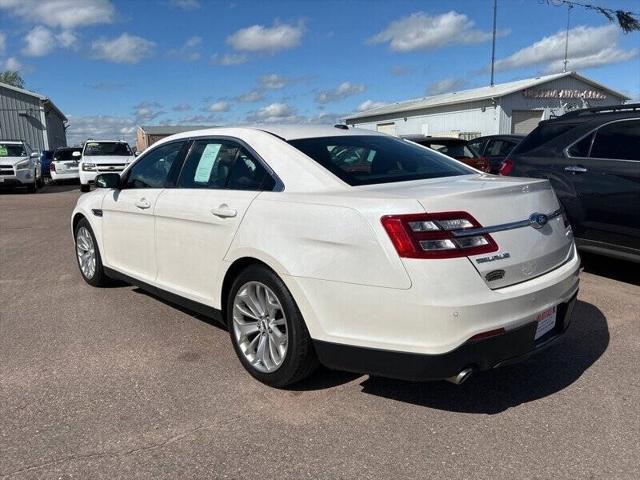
(107, 148)
(12, 150)
(370, 159)
(66, 154)
(542, 134)
(457, 150)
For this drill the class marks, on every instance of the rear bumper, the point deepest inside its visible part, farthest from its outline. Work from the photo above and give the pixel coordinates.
(510, 347)
(65, 176)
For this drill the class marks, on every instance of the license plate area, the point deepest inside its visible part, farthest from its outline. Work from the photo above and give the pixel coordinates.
(546, 321)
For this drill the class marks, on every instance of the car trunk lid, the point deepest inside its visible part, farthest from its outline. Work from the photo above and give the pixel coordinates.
(521, 215)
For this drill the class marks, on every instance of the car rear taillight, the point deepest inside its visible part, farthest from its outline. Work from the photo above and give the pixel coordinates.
(52, 167)
(506, 167)
(436, 235)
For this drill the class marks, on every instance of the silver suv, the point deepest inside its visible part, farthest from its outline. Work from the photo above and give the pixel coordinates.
(19, 166)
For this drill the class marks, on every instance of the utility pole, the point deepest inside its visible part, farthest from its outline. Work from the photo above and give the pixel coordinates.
(566, 39)
(493, 47)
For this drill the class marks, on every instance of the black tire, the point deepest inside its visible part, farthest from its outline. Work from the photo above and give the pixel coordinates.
(85, 188)
(300, 359)
(33, 187)
(99, 278)
(40, 182)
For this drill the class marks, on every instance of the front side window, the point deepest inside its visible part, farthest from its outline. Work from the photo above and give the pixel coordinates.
(500, 148)
(155, 169)
(618, 140)
(12, 150)
(476, 145)
(94, 149)
(218, 164)
(371, 159)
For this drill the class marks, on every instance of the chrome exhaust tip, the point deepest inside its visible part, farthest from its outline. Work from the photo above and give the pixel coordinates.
(461, 376)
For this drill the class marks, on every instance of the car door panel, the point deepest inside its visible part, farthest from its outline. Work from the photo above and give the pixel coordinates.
(196, 221)
(194, 229)
(128, 222)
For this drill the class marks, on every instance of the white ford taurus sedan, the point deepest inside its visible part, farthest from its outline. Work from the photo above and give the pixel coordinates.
(345, 247)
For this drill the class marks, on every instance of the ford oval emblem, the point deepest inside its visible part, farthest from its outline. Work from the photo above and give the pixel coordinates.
(538, 220)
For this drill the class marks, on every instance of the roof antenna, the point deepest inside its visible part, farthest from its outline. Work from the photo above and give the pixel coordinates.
(566, 39)
(493, 47)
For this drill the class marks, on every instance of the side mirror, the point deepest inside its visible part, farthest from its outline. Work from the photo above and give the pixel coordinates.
(76, 154)
(108, 180)
(136, 153)
(34, 155)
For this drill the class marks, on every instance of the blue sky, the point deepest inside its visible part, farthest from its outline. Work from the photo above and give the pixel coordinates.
(111, 65)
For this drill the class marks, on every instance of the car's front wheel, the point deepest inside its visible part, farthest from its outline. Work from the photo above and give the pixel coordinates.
(267, 329)
(84, 188)
(88, 255)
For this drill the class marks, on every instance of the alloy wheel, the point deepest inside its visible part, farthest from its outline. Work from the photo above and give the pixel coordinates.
(260, 327)
(86, 252)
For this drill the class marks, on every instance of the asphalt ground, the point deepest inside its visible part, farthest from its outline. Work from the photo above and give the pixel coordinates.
(115, 383)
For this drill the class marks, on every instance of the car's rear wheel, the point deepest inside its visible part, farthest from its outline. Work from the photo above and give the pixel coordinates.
(267, 329)
(88, 255)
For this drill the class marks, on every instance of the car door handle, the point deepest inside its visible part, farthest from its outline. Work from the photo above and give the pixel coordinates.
(143, 204)
(223, 211)
(575, 169)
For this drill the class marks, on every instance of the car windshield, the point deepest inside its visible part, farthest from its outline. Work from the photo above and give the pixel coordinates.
(66, 154)
(371, 159)
(12, 150)
(107, 148)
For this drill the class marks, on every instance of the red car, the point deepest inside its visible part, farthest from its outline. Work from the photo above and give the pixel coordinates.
(457, 148)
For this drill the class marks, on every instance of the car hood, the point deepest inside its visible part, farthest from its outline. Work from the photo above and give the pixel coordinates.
(108, 159)
(12, 160)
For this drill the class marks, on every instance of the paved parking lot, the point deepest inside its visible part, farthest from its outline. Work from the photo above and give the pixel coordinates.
(114, 383)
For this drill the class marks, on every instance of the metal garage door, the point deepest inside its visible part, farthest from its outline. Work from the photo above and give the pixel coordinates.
(388, 128)
(523, 121)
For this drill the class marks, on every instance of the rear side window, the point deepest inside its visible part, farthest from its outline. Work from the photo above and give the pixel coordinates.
(371, 159)
(618, 140)
(217, 164)
(544, 133)
(500, 148)
(477, 145)
(581, 148)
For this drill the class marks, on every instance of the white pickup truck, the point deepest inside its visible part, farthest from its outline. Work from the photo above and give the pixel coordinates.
(103, 156)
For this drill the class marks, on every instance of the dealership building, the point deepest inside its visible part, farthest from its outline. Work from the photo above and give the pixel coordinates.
(32, 118)
(513, 107)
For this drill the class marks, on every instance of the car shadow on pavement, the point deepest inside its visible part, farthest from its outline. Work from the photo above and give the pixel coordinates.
(613, 268)
(495, 391)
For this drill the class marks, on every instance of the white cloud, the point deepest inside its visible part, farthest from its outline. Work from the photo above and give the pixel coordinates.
(185, 4)
(251, 96)
(588, 47)
(123, 49)
(144, 112)
(182, 107)
(344, 90)
(189, 51)
(229, 59)
(259, 38)
(368, 105)
(606, 56)
(66, 14)
(41, 41)
(421, 31)
(272, 81)
(13, 64)
(274, 113)
(446, 85)
(3, 42)
(219, 106)
(100, 126)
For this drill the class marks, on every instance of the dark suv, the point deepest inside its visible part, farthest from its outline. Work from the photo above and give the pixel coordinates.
(592, 158)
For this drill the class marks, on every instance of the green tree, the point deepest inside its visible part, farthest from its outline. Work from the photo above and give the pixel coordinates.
(11, 77)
